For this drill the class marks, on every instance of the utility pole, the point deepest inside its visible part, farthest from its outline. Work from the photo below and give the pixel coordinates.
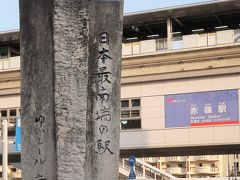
(4, 149)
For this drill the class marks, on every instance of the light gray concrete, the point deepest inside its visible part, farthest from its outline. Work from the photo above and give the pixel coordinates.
(70, 57)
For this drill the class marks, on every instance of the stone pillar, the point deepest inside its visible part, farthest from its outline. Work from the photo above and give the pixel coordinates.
(70, 91)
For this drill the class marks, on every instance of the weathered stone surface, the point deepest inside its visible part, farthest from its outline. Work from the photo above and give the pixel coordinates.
(71, 86)
(69, 75)
(106, 16)
(37, 90)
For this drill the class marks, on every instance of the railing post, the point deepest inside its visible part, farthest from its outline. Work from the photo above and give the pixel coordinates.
(144, 170)
(144, 173)
(4, 149)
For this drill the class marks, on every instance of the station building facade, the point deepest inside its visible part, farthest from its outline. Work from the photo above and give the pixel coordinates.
(180, 86)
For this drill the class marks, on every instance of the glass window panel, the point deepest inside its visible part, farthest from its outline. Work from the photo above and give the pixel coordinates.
(13, 112)
(125, 103)
(135, 113)
(11, 132)
(12, 120)
(135, 102)
(4, 113)
(125, 114)
(131, 124)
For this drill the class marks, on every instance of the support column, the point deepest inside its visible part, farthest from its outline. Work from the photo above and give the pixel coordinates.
(71, 65)
(169, 33)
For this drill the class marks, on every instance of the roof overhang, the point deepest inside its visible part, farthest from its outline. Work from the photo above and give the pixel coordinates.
(9, 37)
(186, 19)
(204, 15)
(198, 9)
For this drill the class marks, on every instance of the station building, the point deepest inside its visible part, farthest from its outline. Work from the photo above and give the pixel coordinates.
(180, 86)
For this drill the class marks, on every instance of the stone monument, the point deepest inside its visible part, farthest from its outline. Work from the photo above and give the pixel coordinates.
(70, 88)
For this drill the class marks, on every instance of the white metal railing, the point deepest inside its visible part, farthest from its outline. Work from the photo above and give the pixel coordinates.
(151, 159)
(183, 42)
(207, 158)
(155, 45)
(176, 170)
(207, 170)
(10, 63)
(124, 169)
(144, 171)
(177, 158)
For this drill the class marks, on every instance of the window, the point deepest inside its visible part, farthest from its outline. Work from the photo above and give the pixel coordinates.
(125, 114)
(135, 102)
(125, 103)
(13, 112)
(130, 114)
(4, 113)
(135, 113)
(180, 165)
(200, 165)
(10, 115)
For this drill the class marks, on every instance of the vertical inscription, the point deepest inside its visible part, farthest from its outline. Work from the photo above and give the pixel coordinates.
(103, 80)
(39, 161)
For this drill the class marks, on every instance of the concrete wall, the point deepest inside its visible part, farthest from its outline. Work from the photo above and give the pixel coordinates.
(9, 101)
(188, 41)
(153, 132)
